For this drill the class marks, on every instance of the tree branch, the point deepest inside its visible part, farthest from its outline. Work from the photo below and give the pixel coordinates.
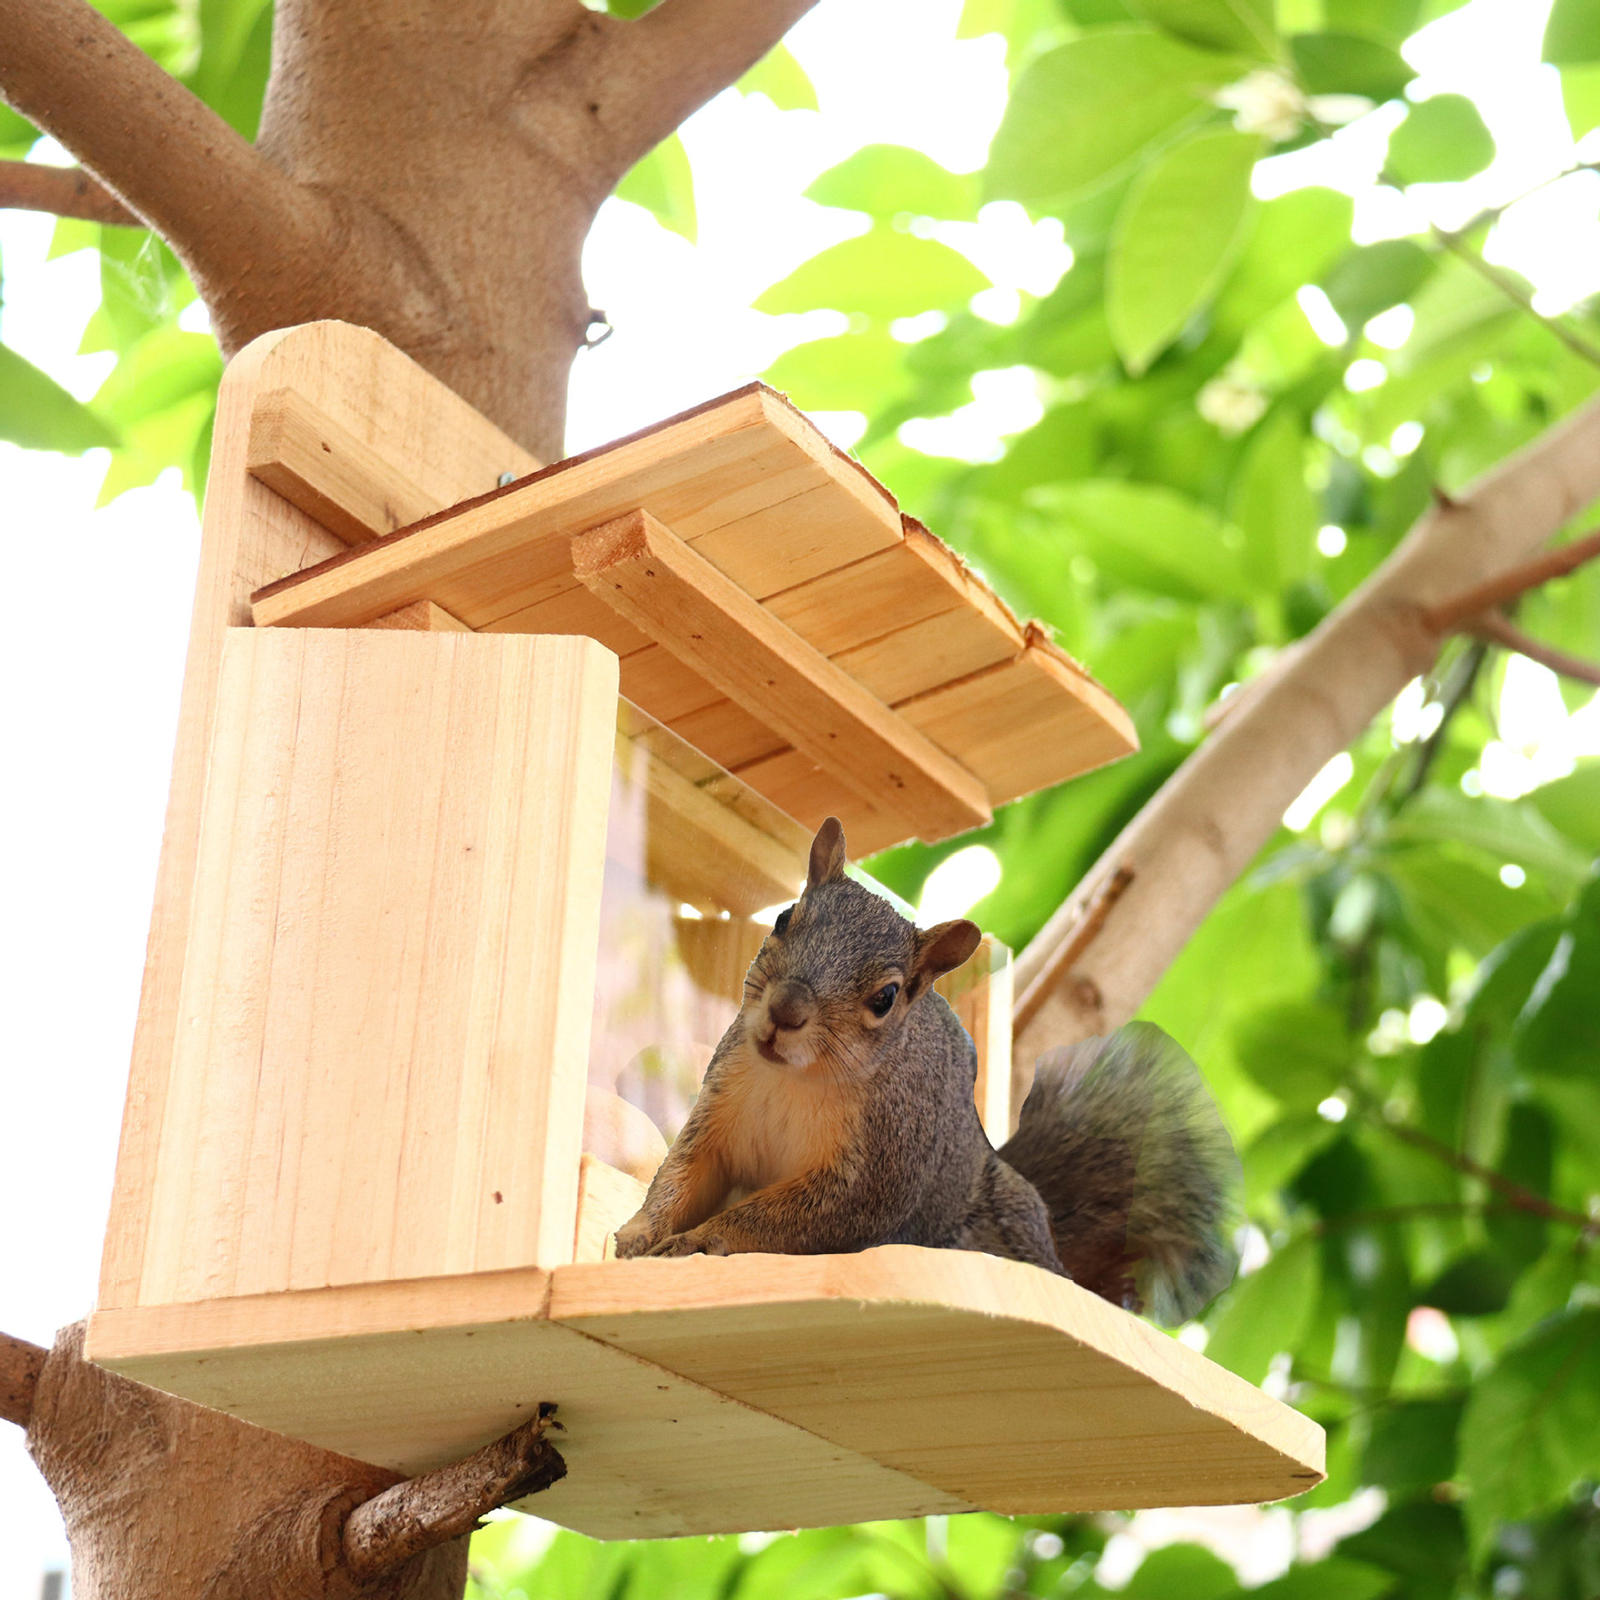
(1203, 827)
(20, 1366)
(1498, 629)
(387, 1531)
(175, 164)
(672, 60)
(61, 191)
(1464, 608)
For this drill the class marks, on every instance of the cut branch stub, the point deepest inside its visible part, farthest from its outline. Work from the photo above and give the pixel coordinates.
(20, 1366)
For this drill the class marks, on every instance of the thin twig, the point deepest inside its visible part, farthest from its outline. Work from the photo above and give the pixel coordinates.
(1449, 615)
(1511, 287)
(61, 192)
(1065, 955)
(1496, 627)
(20, 1366)
(1523, 1199)
(385, 1532)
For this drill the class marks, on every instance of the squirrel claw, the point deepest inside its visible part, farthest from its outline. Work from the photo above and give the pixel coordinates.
(693, 1243)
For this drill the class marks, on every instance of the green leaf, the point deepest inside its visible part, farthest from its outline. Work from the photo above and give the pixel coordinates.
(1559, 1030)
(1349, 63)
(1149, 537)
(1443, 140)
(1571, 805)
(853, 372)
(889, 180)
(1271, 503)
(235, 57)
(663, 184)
(1175, 237)
(1412, 1445)
(1531, 1427)
(1189, 1570)
(17, 135)
(883, 273)
(1477, 1284)
(1267, 1312)
(1080, 112)
(1580, 95)
(1505, 830)
(37, 413)
(1393, 20)
(1333, 1578)
(1297, 1051)
(1573, 32)
(1244, 26)
(1374, 277)
(781, 79)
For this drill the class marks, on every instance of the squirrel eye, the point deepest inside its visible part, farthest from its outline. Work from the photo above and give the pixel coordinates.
(782, 923)
(880, 1003)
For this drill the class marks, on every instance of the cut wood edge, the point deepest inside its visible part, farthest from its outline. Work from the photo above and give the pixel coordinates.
(667, 590)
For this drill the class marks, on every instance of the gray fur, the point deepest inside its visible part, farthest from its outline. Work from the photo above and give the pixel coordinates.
(822, 1127)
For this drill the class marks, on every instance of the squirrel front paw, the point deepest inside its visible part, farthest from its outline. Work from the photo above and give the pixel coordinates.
(636, 1236)
(696, 1242)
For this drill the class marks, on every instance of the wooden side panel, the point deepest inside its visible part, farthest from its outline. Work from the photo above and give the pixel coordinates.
(606, 1199)
(386, 403)
(385, 1009)
(980, 995)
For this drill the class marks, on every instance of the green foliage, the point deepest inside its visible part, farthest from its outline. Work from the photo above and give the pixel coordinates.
(1395, 999)
(1443, 140)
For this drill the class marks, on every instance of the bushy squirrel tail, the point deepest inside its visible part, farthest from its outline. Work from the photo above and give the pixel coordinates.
(1124, 1142)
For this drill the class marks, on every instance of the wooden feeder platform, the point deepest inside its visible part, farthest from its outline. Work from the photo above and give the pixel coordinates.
(351, 1200)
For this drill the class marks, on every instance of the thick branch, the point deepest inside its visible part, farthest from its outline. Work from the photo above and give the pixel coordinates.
(1208, 821)
(672, 60)
(61, 191)
(20, 1366)
(173, 161)
(385, 1532)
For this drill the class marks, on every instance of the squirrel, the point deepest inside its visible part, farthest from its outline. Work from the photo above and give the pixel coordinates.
(837, 1113)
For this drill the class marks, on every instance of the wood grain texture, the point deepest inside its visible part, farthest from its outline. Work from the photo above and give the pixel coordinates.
(979, 992)
(985, 1378)
(421, 616)
(710, 1395)
(356, 488)
(666, 589)
(413, 1375)
(251, 535)
(606, 1199)
(386, 1005)
(756, 491)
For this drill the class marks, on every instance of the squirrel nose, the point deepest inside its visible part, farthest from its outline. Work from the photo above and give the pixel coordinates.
(790, 1005)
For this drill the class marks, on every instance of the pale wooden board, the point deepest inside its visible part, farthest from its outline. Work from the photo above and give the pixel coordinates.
(345, 482)
(392, 943)
(380, 398)
(712, 474)
(990, 1379)
(606, 1199)
(421, 616)
(412, 1375)
(666, 589)
(757, 492)
(979, 992)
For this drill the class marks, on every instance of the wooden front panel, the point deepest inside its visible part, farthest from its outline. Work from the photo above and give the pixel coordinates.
(384, 1013)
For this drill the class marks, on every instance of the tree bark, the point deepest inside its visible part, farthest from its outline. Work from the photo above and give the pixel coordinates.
(166, 1499)
(426, 168)
(1205, 825)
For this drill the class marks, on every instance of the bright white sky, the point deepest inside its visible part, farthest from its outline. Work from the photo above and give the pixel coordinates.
(93, 646)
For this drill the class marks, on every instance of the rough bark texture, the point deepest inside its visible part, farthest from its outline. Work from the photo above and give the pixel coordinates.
(20, 1366)
(1203, 827)
(165, 1499)
(427, 168)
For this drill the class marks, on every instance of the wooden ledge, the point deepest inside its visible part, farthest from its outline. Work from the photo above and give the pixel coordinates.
(749, 1392)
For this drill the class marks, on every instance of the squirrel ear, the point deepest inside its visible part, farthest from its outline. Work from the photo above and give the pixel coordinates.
(941, 949)
(827, 853)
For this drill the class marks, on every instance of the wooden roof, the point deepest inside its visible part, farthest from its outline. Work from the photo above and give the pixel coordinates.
(773, 607)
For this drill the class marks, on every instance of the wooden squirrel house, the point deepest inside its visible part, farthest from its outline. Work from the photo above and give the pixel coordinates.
(483, 771)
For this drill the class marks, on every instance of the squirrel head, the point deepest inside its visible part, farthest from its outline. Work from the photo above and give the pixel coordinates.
(841, 969)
